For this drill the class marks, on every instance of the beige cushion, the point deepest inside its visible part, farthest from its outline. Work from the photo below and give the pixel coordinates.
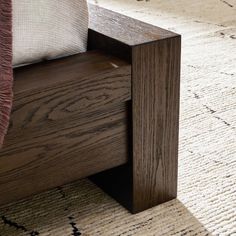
(47, 29)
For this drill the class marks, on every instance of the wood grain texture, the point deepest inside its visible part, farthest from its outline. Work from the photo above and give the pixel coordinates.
(69, 120)
(73, 116)
(117, 34)
(155, 99)
(124, 29)
(44, 158)
(56, 90)
(155, 57)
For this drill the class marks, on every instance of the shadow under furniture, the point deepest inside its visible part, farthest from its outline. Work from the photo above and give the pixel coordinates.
(110, 114)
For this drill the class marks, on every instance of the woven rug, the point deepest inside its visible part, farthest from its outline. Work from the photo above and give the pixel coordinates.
(206, 203)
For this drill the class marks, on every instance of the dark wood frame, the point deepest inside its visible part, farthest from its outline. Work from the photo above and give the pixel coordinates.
(111, 113)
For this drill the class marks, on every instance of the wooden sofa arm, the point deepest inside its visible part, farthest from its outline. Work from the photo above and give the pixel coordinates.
(119, 34)
(154, 54)
(77, 116)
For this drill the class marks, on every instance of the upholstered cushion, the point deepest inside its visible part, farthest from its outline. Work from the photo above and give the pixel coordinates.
(47, 29)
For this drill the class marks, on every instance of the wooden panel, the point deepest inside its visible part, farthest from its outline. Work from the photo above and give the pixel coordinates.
(50, 156)
(155, 98)
(55, 90)
(69, 120)
(117, 34)
(124, 29)
(77, 67)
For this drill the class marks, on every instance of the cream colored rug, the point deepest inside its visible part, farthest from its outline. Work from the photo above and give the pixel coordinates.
(206, 201)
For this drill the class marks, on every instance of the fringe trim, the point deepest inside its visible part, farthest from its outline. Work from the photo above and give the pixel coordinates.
(6, 72)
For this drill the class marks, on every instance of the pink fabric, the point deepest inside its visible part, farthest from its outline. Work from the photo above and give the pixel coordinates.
(6, 73)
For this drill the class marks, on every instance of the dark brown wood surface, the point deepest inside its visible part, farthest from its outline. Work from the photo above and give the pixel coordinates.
(154, 53)
(155, 99)
(124, 29)
(55, 90)
(117, 34)
(69, 120)
(73, 117)
(93, 143)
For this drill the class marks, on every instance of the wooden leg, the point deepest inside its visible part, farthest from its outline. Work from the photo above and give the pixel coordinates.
(155, 99)
(151, 177)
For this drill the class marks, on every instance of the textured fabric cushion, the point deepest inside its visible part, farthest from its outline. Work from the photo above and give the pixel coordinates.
(47, 29)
